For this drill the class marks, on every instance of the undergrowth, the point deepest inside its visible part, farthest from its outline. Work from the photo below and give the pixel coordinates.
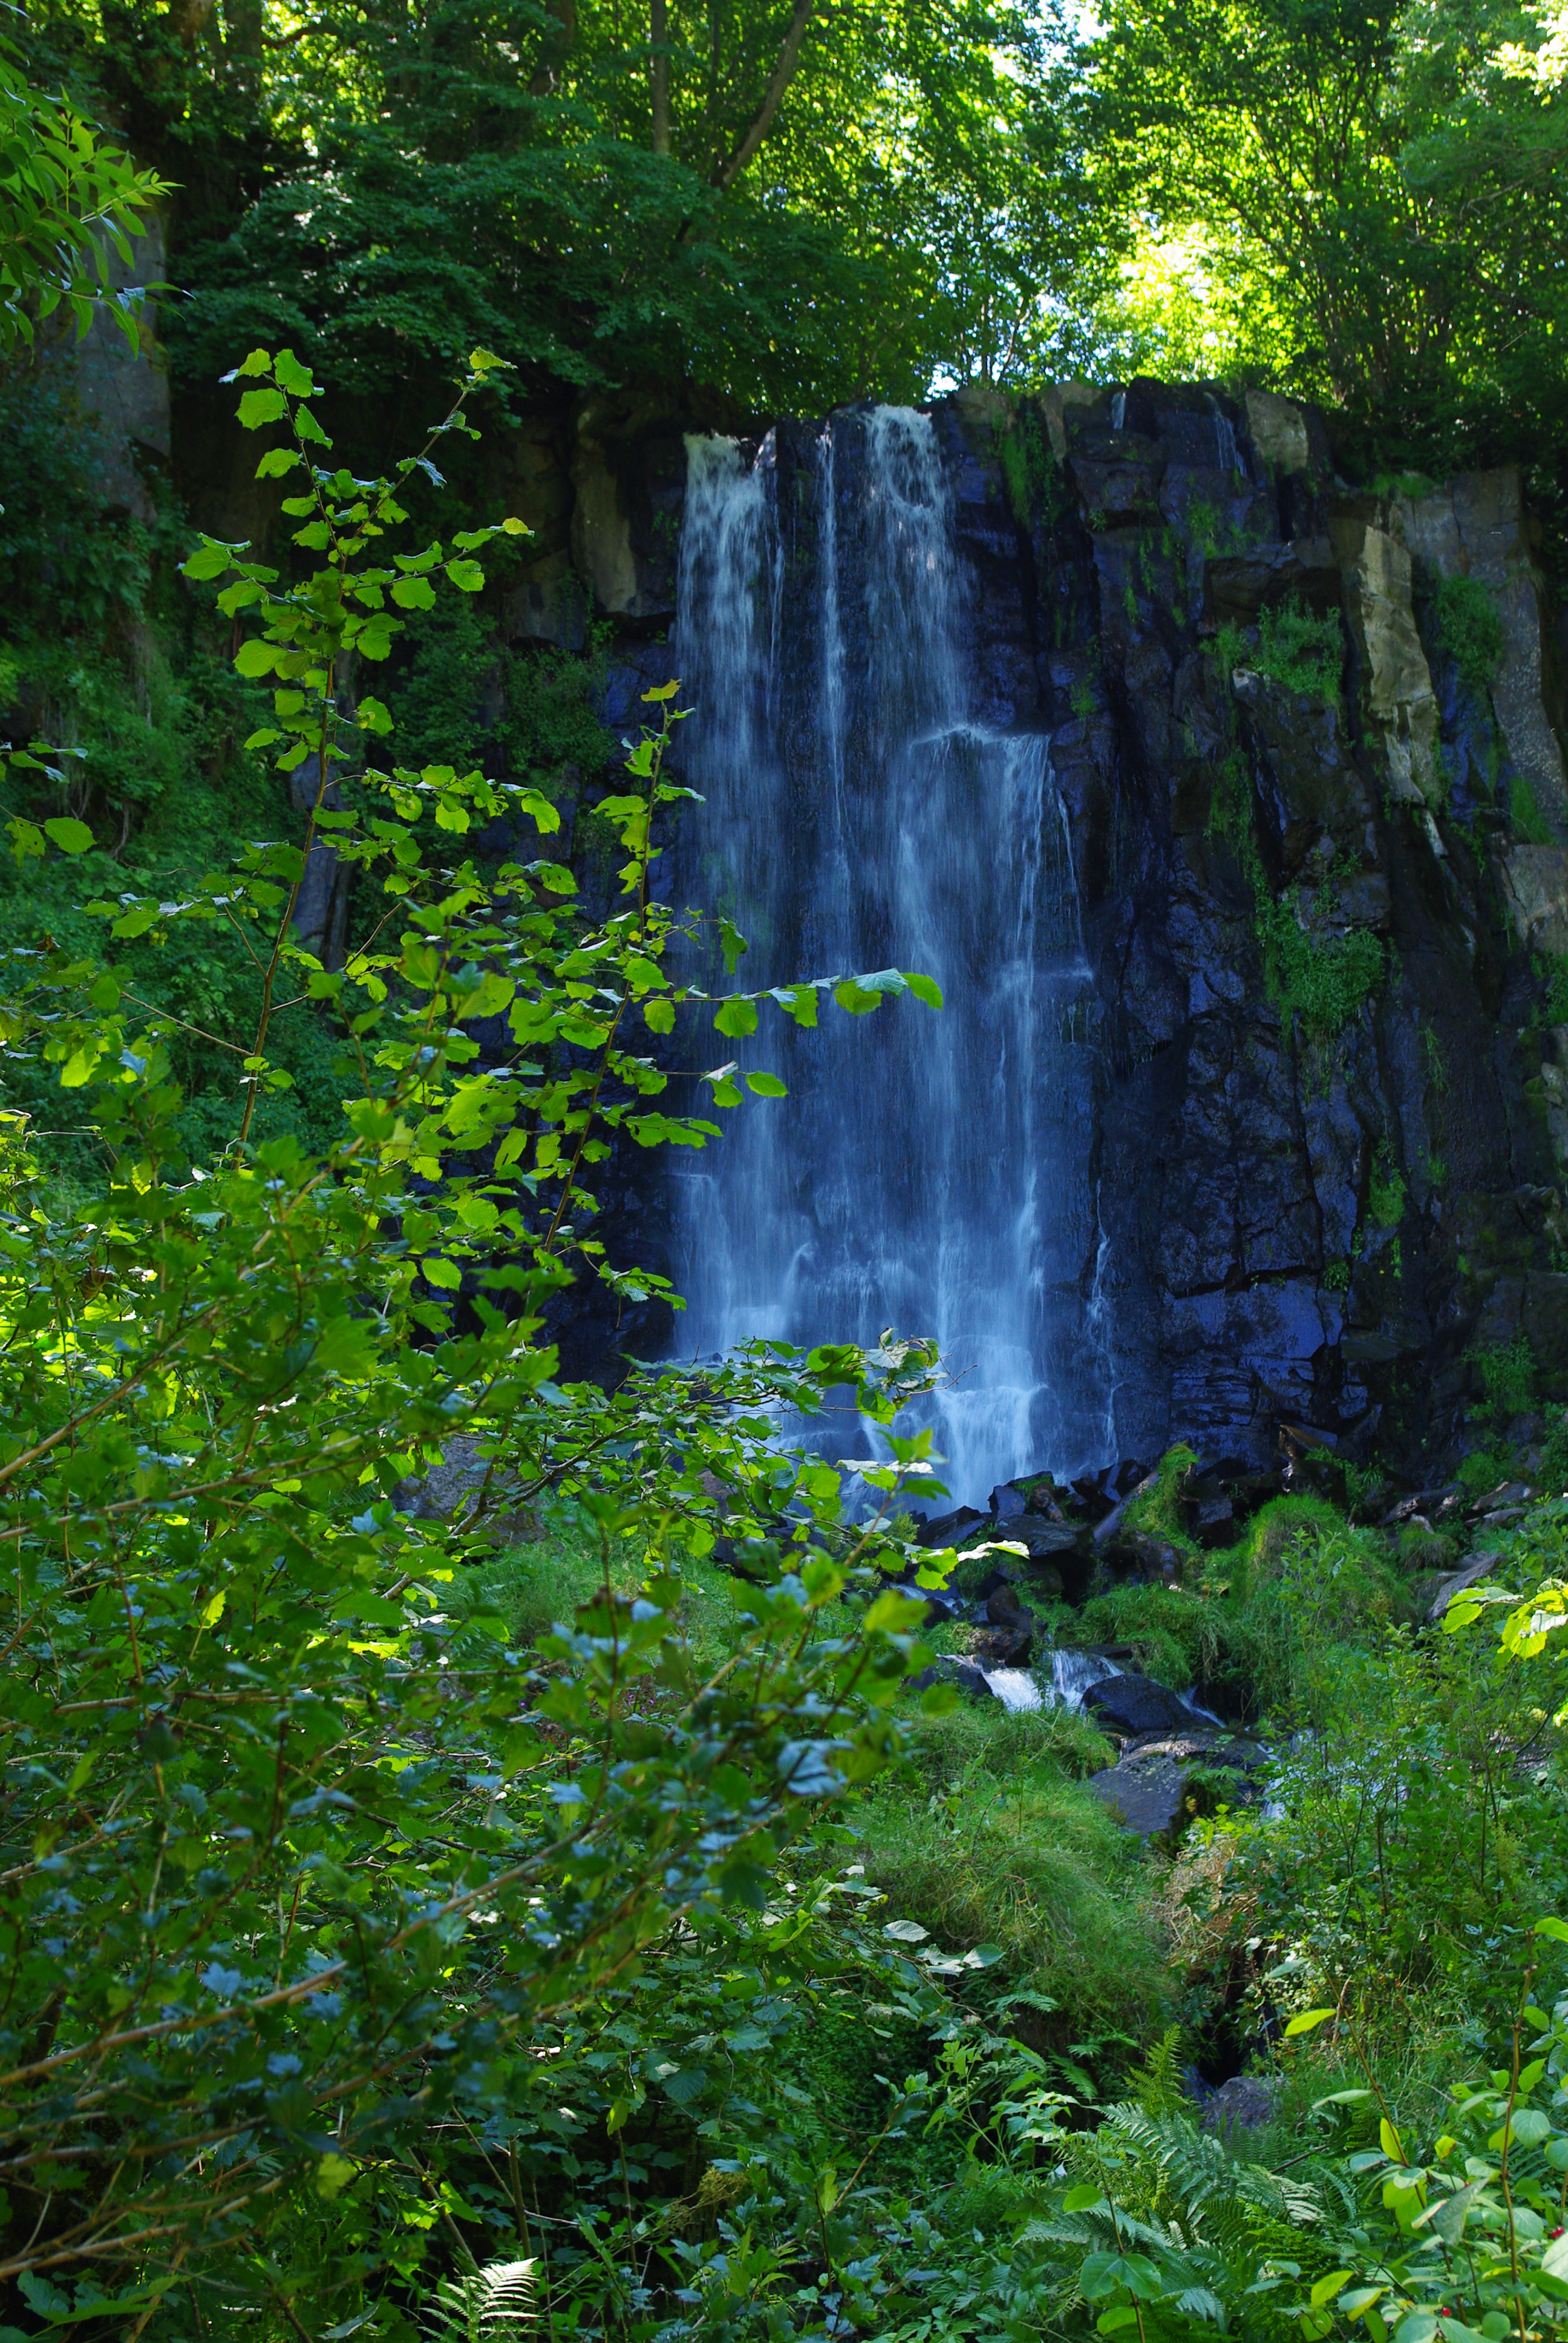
(1468, 628)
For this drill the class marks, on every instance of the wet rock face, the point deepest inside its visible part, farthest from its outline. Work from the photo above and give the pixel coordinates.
(1320, 853)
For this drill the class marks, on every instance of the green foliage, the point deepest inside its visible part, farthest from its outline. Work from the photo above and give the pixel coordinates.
(1507, 1373)
(1006, 1849)
(1525, 812)
(1158, 2086)
(1552, 969)
(1300, 193)
(1028, 468)
(1304, 653)
(306, 1863)
(1469, 631)
(70, 198)
(1158, 1508)
(1386, 1190)
(1487, 1467)
(1407, 1841)
(465, 697)
(1324, 979)
(788, 210)
(1299, 1597)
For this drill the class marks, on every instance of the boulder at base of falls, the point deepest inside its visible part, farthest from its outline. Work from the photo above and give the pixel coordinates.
(1243, 2104)
(1132, 1705)
(969, 1678)
(1045, 1541)
(1147, 1788)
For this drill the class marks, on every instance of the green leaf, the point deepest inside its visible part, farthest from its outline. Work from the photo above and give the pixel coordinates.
(259, 407)
(855, 998)
(257, 657)
(924, 988)
(439, 1270)
(209, 560)
(467, 575)
(414, 594)
(374, 716)
(292, 376)
(801, 1000)
(276, 462)
(1306, 2021)
(305, 424)
(70, 837)
(736, 1018)
(658, 1015)
(1327, 2288)
(1553, 1927)
(765, 1086)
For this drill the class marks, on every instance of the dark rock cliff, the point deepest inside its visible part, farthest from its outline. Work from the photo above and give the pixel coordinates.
(1310, 734)
(1320, 826)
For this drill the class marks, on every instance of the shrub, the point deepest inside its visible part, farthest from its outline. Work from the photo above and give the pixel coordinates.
(1323, 980)
(1468, 628)
(1304, 652)
(1507, 1373)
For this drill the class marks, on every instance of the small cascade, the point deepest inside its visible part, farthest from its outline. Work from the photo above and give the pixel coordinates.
(930, 1171)
(1015, 1687)
(1072, 1673)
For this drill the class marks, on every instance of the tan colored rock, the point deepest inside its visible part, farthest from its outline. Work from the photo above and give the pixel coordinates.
(1555, 1085)
(1535, 880)
(1399, 699)
(1055, 399)
(1479, 1566)
(982, 403)
(1475, 529)
(601, 533)
(1279, 431)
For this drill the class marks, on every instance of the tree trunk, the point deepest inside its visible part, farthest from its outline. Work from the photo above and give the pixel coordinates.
(659, 37)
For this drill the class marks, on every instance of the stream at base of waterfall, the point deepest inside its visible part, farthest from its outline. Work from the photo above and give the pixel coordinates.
(930, 1172)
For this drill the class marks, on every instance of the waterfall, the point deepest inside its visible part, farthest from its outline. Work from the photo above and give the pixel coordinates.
(931, 1172)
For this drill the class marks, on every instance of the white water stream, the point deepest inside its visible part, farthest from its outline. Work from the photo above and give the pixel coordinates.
(930, 1172)
(1071, 1673)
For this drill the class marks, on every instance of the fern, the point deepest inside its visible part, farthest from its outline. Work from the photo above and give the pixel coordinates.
(1214, 2228)
(1158, 2086)
(482, 2305)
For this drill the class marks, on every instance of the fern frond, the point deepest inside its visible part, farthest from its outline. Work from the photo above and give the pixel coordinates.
(482, 2305)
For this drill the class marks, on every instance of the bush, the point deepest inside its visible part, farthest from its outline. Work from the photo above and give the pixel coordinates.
(1304, 652)
(1507, 1373)
(1322, 978)
(1468, 628)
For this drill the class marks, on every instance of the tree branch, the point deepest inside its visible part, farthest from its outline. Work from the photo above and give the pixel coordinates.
(773, 97)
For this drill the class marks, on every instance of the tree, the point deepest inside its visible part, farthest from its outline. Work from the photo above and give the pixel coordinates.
(1363, 205)
(296, 1848)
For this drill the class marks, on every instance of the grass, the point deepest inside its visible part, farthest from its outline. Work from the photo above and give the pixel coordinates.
(986, 1837)
(1298, 1586)
(536, 1584)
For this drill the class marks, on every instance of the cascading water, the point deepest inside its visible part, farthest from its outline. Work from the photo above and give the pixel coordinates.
(929, 1173)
